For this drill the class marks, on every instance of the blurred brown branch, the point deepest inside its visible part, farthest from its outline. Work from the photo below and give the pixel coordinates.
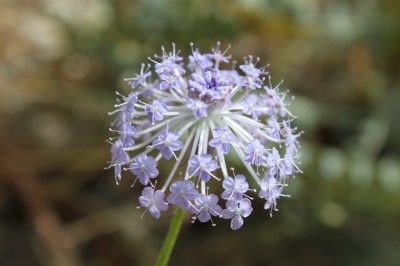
(57, 243)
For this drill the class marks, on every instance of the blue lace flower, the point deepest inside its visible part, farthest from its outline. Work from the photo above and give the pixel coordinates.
(167, 143)
(153, 201)
(197, 110)
(202, 166)
(271, 191)
(252, 80)
(182, 194)
(234, 187)
(236, 210)
(144, 167)
(155, 112)
(254, 152)
(198, 61)
(222, 139)
(206, 206)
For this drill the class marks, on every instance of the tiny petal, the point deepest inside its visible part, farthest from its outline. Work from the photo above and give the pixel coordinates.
(236, 222)
(204, 216)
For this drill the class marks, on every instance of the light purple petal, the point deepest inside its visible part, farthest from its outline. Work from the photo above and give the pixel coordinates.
(204, 216)
(236, 222)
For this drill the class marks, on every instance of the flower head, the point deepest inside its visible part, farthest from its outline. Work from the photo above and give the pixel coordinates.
(193, 112)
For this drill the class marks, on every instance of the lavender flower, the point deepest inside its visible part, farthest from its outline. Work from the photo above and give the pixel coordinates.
(235, 187)
(274, 128)
(191, 109)
(167, 142)
(197, 61)
(125, 109)
(202, 166)
(271, 190)
(144, 167)
(274, 101)
(140, 78)
(126, 134)
(280, 166)
(118, 157)
(153, 201)
(155, 112)
(182, 193)
(254, 152)
(218, 55)
(250, 106)
(206, 206)
(222, 139)
(236, 211)
(169, 69)
(127, 130)
(252, 80)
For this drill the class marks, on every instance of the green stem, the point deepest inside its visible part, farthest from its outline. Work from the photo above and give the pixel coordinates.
(170, 239)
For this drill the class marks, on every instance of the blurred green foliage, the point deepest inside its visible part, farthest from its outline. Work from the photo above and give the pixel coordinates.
(61, 61)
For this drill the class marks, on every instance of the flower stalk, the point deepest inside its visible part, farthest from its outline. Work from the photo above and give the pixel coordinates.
(170, 239)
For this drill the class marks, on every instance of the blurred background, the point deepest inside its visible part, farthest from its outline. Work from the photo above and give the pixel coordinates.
(61, 61)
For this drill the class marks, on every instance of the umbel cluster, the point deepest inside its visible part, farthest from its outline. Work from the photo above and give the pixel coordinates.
(196, 111)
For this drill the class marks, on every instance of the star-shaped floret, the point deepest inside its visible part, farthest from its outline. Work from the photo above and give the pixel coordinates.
(202, 166)
(144, 167)
(236, 210)
(153, 201)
